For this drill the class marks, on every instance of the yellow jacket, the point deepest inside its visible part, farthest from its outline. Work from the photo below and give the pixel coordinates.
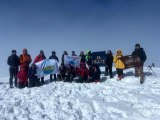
(117, 61)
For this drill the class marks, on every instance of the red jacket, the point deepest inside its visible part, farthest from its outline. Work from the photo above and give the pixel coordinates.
(39, 58)
(22, 76)
(83, 72)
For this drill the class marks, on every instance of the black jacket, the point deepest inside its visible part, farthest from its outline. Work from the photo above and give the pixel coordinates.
(32, 74)
(83, 58)
(109, 60)
(97, 74)
(13, 61)
(62, 70)
(54, 57)
(141, 54)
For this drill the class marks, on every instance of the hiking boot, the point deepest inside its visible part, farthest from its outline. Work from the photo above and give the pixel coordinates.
(141, 81)
(11, 86)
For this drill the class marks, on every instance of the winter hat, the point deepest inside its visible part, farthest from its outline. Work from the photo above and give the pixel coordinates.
(41, 52)
(137, 45)
(53, 52)
(65, 53)
(82, 52)
(24, 50)
(73, 52)
(14, 51)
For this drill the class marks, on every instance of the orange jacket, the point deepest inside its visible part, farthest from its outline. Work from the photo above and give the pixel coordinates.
(25, 60)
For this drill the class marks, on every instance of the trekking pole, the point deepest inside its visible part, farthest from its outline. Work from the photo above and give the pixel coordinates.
(148, 70)
(153, 71)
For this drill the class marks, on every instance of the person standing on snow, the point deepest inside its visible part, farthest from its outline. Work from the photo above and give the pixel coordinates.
(25, 59)
(83, 57)
(73, 53)
(39, 58)
(64, 53)
(13, 62)
(89, 58)
(119, 64)
(109, 63)
(139, 52)
(22, 77)
(53, 56)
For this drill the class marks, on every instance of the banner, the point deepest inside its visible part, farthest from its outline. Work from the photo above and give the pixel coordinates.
(99, 58)
(73, 60)
(130, 61)
(47, 67)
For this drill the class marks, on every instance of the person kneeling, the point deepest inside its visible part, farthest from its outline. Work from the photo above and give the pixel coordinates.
(70, 74)
(83, 73)
(95, 73)
(62, 70)
(33, 79)
(22, 77)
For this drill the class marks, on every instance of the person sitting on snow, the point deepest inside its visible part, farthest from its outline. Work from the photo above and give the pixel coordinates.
(94, 73)
(32, 74)
(62, 70)
(22, 77)
(83, 73)
(119, 64)
(70, 73)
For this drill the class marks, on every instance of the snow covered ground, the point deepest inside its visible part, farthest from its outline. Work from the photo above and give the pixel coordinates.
(108, 100)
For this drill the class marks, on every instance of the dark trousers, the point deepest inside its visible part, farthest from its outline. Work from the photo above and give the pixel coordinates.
(34, 83)
(83, 79)
(21, 85)
(42, 80)
(119, 72)
(61, 77)
(108, 69)
(55, 77)
(69, 78)
(13, 74)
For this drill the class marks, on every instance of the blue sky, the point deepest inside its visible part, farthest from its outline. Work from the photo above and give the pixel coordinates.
(79, 25)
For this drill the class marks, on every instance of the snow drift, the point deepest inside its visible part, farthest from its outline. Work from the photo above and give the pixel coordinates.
(108, 100)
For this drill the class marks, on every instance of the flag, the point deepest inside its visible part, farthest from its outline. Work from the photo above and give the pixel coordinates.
(73, 60)
(129, 61)
(47, 67)
(99, 58)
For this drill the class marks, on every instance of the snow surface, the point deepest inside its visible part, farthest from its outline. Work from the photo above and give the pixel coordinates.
(108, 100)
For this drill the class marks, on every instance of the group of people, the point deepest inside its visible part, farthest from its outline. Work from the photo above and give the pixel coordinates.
(87, 72)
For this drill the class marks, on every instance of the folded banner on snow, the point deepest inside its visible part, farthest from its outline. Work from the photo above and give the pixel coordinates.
(47, 67)
(73, 60)
(130, 61)
(98, 58)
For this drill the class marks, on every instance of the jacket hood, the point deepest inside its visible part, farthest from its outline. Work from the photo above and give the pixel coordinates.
(119, 52)
(139, 49)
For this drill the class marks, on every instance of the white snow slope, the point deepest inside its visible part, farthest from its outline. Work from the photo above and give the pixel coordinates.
(108, 100)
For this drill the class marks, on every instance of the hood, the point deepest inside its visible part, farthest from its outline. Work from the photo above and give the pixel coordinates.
(119, 52)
